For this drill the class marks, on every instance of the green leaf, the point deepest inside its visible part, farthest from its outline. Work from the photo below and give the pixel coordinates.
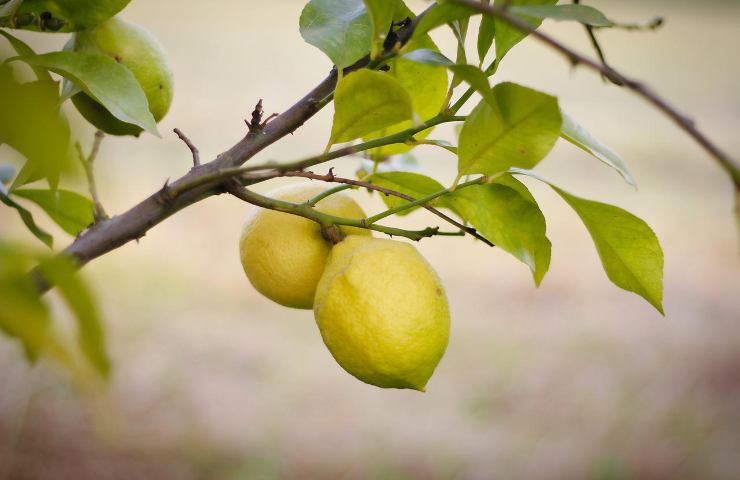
(342, 29)
(519, 132)
(69, 210)
(366, 101)
(460, 30)
(578, 136)
(414, 185)
(506, 214)
(35, 127)
(27, 218)
(578, 13)
(486, 34)
(108, 82)
(23, 315)
(427, 87)
(629, 249)
(472, 75)
(508, 36)
(64, 15)
(22, 48)
(62, 272)
(442, 14)
(382, 13)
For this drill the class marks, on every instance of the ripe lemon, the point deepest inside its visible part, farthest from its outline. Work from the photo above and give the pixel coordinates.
(382, 312)
(284, 255)
(139, 51)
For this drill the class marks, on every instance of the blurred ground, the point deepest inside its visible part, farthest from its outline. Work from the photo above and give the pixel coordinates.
(576, 379)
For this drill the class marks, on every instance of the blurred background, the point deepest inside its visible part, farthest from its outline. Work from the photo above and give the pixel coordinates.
(576, 379)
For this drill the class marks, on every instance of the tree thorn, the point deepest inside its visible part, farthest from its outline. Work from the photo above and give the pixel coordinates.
(164, 196)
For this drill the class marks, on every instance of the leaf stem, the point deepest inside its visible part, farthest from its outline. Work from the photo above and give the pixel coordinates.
(327, 193)
(88, 165)
(421, 201)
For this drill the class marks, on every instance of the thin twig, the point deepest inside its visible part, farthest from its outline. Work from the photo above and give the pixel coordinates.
(386, 191)
(88, 165)
(190, 145)
(728, 163)
(325, 219)
(595, 43)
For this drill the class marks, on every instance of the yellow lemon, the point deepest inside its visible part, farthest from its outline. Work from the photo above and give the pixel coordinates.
(139, 51)
(382, 312)
(284, 255)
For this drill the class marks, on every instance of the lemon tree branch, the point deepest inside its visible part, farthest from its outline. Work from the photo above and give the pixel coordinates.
(348, 182)
(326, 220)
(729, 164)
(110, 234)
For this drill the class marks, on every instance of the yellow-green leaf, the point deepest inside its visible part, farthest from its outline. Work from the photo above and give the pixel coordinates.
(366, 101)
(519, 131)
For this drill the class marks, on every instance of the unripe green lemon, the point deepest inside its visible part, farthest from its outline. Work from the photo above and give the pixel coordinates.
(382, 312)
(139, 51)
(284, 255)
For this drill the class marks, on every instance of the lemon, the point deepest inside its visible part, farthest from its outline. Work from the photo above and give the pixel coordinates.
(139, 51)
(382, 312)
(284, 255)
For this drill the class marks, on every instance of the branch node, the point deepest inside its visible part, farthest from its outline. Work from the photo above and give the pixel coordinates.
(255, 124)
(332, 233)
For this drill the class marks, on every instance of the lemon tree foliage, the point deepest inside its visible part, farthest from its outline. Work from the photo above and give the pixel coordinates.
(580, 137)
(70, 210)
(367, 101)
(427, 87)
(627, 246)
(579, 13)
(379, 306)
(26, 317)
(518, 131)
(629, 249)
(105, 80)
(473, 76)
(507, 214)
(340, 28)
(58, 15)
(507, 36)
(382, 16)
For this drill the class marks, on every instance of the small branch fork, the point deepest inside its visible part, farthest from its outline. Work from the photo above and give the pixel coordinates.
(88, 165)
